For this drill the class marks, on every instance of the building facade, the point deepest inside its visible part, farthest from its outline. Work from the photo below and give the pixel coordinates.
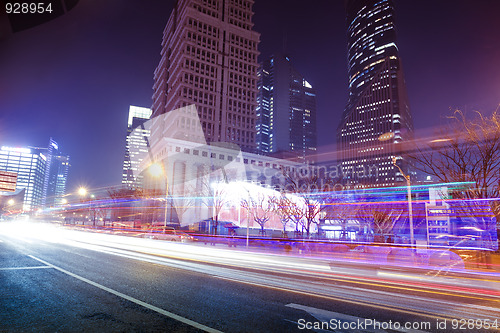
(56, 175)
(186, 170)
(209, 58)
(286, 109)
(30, 166)
(377, 117)
(41, 172)
(8, 181)
(137, 142)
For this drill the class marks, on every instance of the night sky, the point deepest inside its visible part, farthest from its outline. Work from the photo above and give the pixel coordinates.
(74, 78)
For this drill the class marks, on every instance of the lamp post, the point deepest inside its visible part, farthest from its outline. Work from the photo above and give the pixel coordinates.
(92, 212)
(166, 194)
(82, 191)
(410, 211)
(156, 169)
(248, 212)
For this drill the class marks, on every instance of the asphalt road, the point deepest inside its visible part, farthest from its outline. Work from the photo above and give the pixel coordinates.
(54, 280)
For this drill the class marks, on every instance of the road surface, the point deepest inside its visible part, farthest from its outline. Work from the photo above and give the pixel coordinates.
(54, 279)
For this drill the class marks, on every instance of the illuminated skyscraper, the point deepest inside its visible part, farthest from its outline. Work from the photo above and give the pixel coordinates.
(41, 173)
(286, 110)
(57, 181)
(136, 144)
(56, 175)
(377, 116)
(30, 166)
(209, 58)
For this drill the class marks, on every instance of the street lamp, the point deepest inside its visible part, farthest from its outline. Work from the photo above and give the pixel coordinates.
(241, 189)
(92, 211)
(410, 211)
(244, 186)
(156, 170)
(82, 191)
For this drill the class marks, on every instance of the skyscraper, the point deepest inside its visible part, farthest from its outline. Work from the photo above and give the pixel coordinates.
(209, 58)
(56, 175)
(136, 144)
(29, 165)
(377, 116)
(41, 172)
(286, 110)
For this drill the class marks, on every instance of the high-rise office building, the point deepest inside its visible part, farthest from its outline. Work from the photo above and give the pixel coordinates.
(41, 173)
(136, 144)
(286, 109)
(56, 175)
(377, 116)
(30, 166)
(209, 58)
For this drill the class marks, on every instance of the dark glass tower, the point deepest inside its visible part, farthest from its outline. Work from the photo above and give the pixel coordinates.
(286, 109)
(377, 116)
(56, 175)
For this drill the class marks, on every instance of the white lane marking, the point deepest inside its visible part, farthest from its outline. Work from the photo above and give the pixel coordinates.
(132, 299)
(27, 267)
(328, 316)
(258, 280)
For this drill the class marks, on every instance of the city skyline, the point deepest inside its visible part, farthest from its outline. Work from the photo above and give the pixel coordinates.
(41, 174)
(63, 80)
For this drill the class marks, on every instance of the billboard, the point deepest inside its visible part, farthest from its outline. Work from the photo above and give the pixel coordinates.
(8, 181)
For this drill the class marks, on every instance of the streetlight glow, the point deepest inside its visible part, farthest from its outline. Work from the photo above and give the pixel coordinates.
(82, 191)
(158, 170)
(155, 170)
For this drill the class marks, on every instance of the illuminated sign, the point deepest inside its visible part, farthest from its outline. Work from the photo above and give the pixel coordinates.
(17, 150)
(8, 181)
(440, 212)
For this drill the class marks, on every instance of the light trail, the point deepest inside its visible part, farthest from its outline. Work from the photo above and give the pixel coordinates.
(383, 288)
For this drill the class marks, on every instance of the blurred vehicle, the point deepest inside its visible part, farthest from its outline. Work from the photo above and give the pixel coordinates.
(168, 233)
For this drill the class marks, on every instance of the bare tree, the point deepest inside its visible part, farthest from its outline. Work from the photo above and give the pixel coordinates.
(215, 197)
(183, 202)
(294, 209)
(280, 206)
(467, 150)
(306, 184)
(260, 207)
